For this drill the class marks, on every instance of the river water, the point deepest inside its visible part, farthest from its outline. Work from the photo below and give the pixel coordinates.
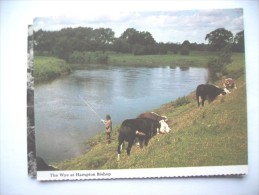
(63, 121)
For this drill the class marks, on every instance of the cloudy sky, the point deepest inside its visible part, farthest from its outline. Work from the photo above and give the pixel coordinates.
(165, 26)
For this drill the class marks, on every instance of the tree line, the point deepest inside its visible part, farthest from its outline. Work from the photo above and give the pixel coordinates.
(69, 42)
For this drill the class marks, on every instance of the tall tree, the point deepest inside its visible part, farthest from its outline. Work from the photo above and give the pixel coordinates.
(185, 48)
(239, 42)
(132, 36)
(103, 37)
(129, 35)
(219, 38)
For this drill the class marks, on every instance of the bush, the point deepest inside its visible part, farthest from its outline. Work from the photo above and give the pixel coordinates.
(48, 68)
(78, 57)
(185, 51)
(216, 65)
(181, 101)
(185, 48)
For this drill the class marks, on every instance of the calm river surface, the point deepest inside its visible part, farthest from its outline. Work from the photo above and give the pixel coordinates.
(64, 122)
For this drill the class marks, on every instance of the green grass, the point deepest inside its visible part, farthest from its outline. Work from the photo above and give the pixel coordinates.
(210, 136)
(195, 59)
(48, 68)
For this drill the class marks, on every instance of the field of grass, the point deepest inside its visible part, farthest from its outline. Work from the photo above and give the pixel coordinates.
(195, 59)
(48, 68)
(210, 136)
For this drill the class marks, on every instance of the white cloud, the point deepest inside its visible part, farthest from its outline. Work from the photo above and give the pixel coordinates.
(173, 26)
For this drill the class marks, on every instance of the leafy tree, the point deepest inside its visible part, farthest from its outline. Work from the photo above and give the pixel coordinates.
(185, 48)
(62, 48)
(134, 37)
(219, 38)
(161, 48)
(239, 42)
(103, 38)
(120, 45)
(173, 47)
(146, 38)
(198, 47)
(216, 65)
(44, 41)
(129, 35)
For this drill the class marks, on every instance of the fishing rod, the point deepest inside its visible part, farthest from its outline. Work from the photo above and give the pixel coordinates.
(91, 108)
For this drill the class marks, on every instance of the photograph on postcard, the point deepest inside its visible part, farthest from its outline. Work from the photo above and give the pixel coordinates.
(148, 94)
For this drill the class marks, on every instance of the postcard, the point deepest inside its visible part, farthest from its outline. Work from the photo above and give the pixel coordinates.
(144, 94)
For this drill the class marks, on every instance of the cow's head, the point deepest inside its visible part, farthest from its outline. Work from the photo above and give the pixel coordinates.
(165, 118)
(164, 128)
(227, 91)
(221, 91)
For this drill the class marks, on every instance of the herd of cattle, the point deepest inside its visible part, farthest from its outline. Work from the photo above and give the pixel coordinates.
(148, 124)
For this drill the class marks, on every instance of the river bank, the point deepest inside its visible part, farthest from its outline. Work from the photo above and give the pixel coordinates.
(49, 67)
(212, 136)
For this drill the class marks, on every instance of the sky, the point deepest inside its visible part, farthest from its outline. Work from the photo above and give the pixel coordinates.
(165, 26)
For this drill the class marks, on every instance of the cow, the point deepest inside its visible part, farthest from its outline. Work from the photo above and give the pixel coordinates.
(229, 83)
(209, 92)
(164, 128)
(142, 128)
(152, 115)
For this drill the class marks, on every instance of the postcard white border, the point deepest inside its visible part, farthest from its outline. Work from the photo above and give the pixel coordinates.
(15, 18)
(142, 173)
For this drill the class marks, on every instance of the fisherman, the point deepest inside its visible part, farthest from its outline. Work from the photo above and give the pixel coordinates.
(108, 127)
(107, 122)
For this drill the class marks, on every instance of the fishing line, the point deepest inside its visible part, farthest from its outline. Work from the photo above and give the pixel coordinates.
(91, 108)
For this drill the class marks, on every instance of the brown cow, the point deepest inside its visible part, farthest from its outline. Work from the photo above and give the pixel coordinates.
(153, 116)
(229, 83)
(164, 128)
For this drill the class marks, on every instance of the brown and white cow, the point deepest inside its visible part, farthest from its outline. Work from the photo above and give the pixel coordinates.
(164, 128)
(229, 83)
(130, 129)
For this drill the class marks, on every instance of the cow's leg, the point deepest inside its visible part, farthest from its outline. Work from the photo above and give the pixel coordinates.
(198, 100)
(136, 141)
(119, 149)
(157, 131)
(146, 141)
(141, 140)
(130, 143)
(203, 100)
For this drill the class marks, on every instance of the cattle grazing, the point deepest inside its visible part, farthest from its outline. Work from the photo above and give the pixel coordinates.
(142, 128)
(209, 92)
(152, 115)
(164, 128)
(229, 83)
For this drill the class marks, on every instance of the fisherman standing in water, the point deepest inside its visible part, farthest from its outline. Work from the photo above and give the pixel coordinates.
(108, 128)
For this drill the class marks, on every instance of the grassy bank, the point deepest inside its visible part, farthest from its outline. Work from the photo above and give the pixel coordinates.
(49, 68)
(195, 59)
(211, 136)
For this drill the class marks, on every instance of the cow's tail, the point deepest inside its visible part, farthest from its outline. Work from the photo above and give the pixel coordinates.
(120, 142)
(198, 98)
